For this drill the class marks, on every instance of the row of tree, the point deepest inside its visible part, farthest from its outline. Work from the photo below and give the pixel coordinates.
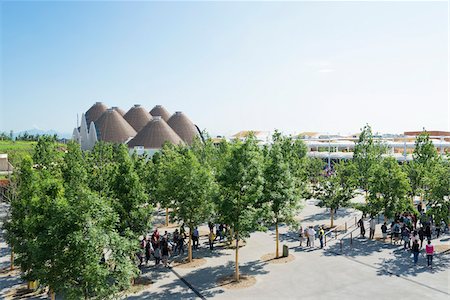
(389, 187)
(74, 219)
(76, 216)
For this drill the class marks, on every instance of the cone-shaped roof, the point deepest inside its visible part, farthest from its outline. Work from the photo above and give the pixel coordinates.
(137, 117)
(154, 135)
(183, 126)
(112, 127)
(119, 110)
(159, 110)
(95, 112)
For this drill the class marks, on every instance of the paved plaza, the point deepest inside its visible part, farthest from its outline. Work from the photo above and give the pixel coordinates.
(366, 269)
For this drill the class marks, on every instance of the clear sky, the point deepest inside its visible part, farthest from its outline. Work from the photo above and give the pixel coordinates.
(230, 66)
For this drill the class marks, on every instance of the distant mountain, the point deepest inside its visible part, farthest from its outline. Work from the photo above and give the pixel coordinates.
(61, 135)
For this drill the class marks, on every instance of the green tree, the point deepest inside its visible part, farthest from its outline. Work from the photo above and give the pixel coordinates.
(280, 194)
(388, 189)
(425, 159)
(192, 186)
(337, 190)
(128, 196)
(61, 231)
(366, 154)
(241, 184)
(438, 194)
(313, 173)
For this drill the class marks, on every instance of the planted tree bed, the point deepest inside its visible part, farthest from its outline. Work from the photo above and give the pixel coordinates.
(185, 264)
(271, 258)
(229, 282)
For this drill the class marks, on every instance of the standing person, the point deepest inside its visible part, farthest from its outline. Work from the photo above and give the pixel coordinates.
(157, 252)
(176, 239)
(165, 252)
(438, 230)
(397, 230)
(306, 232)
(428, 231)
(361, 227)
(211, 238)
(195, 237)
(221, 227)
(405, 237)
(142, 251)
(429, 249)
(148, 250)
(217, 231)
(321, 234)
(300, 235)
(415, 251)
(384, 231)
(421, 236)
(311, 236)
(372, 228)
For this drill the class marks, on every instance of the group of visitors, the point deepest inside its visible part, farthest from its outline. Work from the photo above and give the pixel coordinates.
(156, 246)
(404, 229)
(309, 234)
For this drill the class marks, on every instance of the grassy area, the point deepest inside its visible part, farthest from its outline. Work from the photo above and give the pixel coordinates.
(16, 150)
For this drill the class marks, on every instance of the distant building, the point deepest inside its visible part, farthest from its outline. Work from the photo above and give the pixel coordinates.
(5, 166)
(140, 130)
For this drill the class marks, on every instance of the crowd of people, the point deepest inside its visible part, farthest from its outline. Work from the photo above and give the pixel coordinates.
(159, 248)
(406, 229)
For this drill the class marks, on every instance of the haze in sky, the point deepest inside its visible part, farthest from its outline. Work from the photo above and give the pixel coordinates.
(230, 66)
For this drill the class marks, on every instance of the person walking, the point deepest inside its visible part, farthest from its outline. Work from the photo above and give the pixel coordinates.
(300, 235)
(384, 231)
(429, 249)
(361, 227)
(321, 234)
(415, 251)
(373, 224)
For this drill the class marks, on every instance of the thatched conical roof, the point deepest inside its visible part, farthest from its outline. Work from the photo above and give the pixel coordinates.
(112, 127)
(159, 110)
(95, 112)
(183, 126)
(137, 117)
(154, 135)
(119, 110)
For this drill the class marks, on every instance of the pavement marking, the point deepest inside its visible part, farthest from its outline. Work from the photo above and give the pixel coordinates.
(188, 284)
(389, 272)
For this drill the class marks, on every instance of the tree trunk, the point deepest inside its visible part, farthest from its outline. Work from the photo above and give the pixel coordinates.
(167, 217)
(277, 240)
(331, 217)
(52, 294)
(365, 198)
(236, 275)
(190, 245)
(11, 259)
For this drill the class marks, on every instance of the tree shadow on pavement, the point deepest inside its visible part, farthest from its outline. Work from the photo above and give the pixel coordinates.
(402, 264)
(203, 280)
(359, 247)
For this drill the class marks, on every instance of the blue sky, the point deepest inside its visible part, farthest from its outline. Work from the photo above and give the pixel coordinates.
(230, 66)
